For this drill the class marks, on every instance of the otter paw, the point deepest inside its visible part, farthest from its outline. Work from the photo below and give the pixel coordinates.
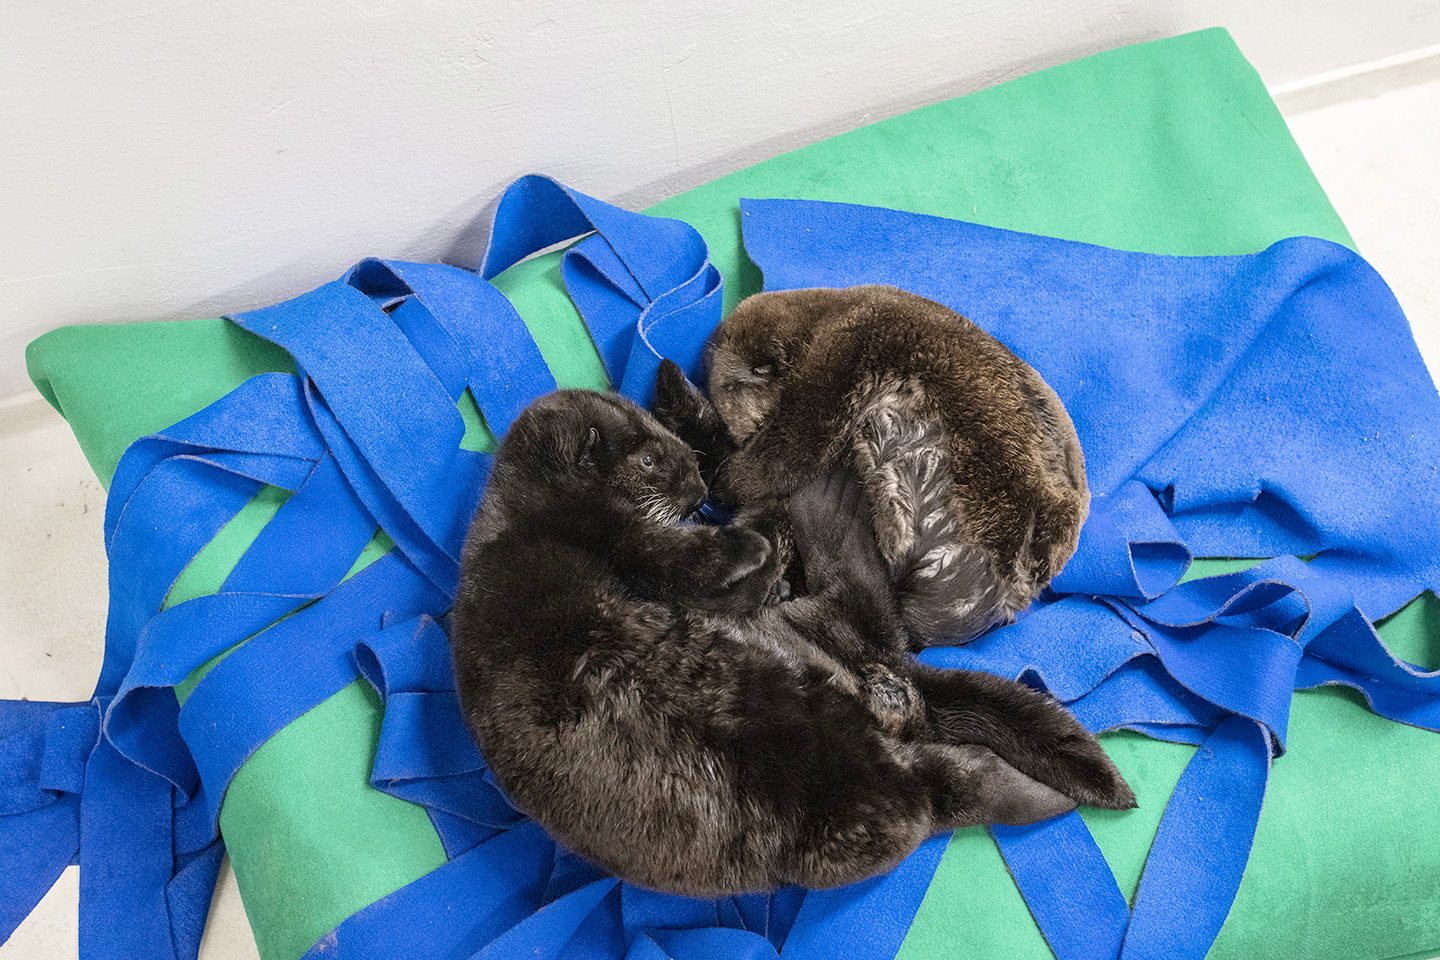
(676, 406)
(745, 552)
(892, 699)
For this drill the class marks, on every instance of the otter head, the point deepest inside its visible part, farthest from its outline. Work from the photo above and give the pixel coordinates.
(755, 349)
(600, 446)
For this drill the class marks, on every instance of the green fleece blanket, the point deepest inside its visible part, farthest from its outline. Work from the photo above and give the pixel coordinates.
(1167, 147)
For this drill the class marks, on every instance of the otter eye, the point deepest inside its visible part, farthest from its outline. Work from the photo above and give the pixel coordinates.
(763, 369)
(648, 462)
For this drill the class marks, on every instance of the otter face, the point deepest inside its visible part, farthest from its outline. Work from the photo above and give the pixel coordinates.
(602, 446)
(765, 339)
(751, 354)
(745, 383)
(646, 464)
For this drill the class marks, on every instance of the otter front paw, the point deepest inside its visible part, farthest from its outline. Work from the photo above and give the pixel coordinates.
(689, 414)
(676, 405)
(745, 552)
(739, 577)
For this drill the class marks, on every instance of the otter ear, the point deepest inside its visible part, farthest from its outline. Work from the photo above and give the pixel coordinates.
(588, 447)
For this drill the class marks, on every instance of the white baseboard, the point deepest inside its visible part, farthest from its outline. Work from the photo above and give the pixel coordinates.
(1368, 79)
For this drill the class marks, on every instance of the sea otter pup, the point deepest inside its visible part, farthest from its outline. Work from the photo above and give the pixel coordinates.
(633, 691)
(971, 464)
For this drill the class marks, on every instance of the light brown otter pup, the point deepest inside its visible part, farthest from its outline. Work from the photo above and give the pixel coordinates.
(971, 465)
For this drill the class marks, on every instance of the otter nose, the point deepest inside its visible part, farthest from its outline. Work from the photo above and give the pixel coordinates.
(694, 491)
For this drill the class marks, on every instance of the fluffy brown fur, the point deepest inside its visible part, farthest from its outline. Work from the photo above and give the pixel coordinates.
(634, 693)
(970, 462)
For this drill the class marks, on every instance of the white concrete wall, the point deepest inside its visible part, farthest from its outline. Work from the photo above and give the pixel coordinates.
(179, 158)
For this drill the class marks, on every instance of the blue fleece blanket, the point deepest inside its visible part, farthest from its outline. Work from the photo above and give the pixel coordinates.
(1266, 405)
(1270, 405)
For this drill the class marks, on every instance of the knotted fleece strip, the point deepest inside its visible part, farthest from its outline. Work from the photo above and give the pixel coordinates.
(1158, 358)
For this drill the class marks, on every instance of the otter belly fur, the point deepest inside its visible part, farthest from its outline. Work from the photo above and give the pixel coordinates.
(949, 583)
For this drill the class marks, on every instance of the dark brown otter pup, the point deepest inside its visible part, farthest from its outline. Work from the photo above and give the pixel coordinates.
(634, 693)
(971, 465)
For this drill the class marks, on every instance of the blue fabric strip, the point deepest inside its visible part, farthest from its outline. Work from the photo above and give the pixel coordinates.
(126, 858)
(367, 436)
(702, 944)
(644, 285)
(1068, 886)
(503, 367)
(1129, 548)
(400, 419)
(1202, 845)
(425, 754)
(43, 749)
(870, 917)
(199, 499)
(438, 563)
(292, 667)
(474, 898)
(547, 931)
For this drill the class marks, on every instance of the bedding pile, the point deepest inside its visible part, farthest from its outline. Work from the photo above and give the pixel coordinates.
(288, 490)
